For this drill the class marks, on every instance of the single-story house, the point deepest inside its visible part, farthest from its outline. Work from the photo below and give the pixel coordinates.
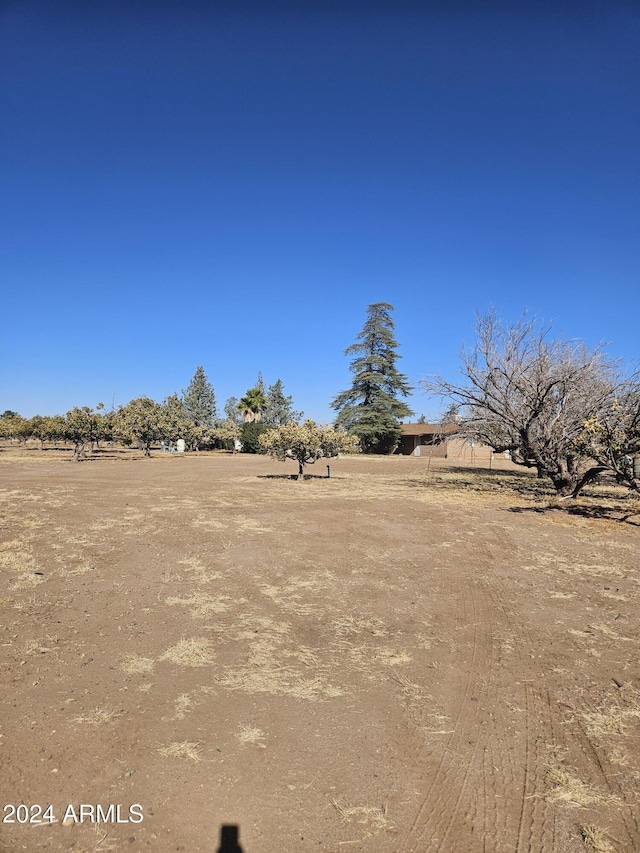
(414, 437)
(440, 440)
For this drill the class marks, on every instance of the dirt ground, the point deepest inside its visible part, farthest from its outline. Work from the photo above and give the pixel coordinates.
(404, 657)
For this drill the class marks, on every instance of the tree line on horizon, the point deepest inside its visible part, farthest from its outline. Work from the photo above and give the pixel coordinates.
(557, 406)
(191, 416)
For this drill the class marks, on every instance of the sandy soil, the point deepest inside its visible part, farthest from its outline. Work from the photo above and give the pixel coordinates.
(404, 657)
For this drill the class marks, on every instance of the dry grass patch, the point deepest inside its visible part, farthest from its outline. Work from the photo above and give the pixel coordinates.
(596, 840)
(244, 524)
(368, 658)
(174, 503)
(27, 580)
(99, 716)
(107, 524)
(602, 724)
(207, 521)
(392, 657)
(183, 703)
(16, 556)
(184, 749)
(250, 734)
(348, 626)
(201, 573)
(276, 680)
(274, 665)
(612, 718)
(568, 790)
(34, 604)
(83, 569)
(372, 818)
(194, 651)
(599, 569)
(137, 665)
(170, 577)
(614, 596)
(250, 626)
(202, 604)
(411, 691)
(31, 522)
(440, 721)
(613, 635)
(289, 599)
(38, 647)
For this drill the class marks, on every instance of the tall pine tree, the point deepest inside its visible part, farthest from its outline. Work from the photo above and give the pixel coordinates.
(370, 408)
(199, 400)
(279, 409)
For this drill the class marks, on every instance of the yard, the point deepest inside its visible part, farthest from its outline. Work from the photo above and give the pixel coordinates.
(407, 656)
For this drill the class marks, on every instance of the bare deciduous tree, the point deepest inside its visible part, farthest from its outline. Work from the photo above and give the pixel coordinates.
(532, 396)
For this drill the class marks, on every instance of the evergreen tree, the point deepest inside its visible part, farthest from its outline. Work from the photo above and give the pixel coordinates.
(371, 409)
(232, 410)
(279, 411)
(199, 400)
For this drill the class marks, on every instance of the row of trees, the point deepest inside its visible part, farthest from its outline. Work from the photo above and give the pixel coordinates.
(191, 417)
(146, 422)
(142, 421)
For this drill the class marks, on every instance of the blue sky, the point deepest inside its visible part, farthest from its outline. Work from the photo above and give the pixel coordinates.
(231, 184)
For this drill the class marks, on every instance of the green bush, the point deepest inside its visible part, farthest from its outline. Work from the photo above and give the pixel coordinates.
(249, 436)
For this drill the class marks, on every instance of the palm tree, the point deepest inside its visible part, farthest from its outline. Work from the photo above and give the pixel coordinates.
(252, 405)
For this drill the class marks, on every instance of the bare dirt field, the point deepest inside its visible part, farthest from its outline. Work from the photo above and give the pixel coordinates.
(404, 657)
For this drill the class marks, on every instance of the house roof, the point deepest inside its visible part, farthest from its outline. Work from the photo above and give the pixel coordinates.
(429, 429)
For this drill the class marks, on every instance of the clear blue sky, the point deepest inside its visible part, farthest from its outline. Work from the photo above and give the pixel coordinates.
(231, 184)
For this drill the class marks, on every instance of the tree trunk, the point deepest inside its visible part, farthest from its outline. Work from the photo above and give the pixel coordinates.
(587, 477)
(564, 482)
(300, 470)
(561, 470)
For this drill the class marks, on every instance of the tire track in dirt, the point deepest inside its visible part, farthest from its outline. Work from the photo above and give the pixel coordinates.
(485, 794)
(441, 804)
(536, 823)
